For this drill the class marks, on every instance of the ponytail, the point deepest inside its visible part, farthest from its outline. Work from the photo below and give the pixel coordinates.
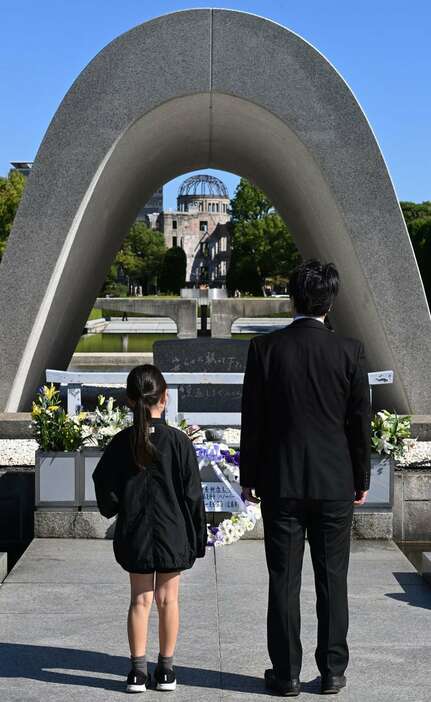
(145, 385)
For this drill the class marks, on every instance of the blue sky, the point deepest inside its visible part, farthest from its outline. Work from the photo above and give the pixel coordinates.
(381, 47)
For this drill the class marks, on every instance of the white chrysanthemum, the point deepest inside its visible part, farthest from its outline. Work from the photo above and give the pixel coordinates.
(239, 532)
(225, 524)
(228, 530)
(246, 523)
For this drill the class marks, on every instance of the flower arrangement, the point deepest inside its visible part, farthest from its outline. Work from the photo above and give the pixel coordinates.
(234, 527)
(388, 433)
(106, 421)
(53, 428)
(227, 459)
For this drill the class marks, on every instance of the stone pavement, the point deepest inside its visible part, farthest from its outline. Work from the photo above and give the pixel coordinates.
(63, 626)
(164, 325)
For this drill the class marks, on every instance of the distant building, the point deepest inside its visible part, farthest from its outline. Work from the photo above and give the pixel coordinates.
(151, 211)
(23, 167)
(201, 226)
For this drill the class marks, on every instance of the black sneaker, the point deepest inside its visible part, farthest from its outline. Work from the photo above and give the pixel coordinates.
(165, 679)
(137, 682)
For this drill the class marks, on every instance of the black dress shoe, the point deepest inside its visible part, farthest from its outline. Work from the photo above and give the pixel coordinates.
(331, 684)
(284, 688)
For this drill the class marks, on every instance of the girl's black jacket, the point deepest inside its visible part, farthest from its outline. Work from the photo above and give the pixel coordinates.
(161, 523)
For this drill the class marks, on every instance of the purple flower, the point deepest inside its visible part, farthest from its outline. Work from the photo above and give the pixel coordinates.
(231, 458)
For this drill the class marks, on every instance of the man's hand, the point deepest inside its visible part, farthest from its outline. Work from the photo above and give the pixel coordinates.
(248, 496)
(360, 497)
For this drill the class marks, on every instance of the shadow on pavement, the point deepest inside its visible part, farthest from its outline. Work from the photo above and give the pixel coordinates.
(68, 666)
(417, 592)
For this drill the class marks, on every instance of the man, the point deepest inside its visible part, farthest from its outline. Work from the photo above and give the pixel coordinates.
(305, 451)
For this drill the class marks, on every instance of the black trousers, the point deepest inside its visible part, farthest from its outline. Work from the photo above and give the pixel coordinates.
(327, 524)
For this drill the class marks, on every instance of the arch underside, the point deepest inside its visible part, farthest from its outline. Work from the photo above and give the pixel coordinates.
(302, 138)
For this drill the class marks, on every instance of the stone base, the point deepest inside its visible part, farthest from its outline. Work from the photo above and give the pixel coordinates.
(369, 524)
(15, 425)
(72, 524)
(412, 505)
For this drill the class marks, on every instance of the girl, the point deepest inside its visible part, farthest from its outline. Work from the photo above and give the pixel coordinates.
(149, 476)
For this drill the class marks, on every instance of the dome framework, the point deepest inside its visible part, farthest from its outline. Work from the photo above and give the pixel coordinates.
(204, 186)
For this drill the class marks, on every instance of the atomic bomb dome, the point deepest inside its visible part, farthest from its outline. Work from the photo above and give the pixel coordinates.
(205, 185)
(200, 225)
(203, 193)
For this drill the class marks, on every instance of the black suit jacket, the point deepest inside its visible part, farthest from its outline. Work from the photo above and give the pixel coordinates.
(305, 424)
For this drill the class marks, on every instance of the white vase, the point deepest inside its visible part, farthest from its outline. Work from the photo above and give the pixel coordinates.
(382, 480)
(88, 460)
(57, 479)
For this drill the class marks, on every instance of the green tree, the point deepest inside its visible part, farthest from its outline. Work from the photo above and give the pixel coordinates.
(173, 273)
(414, 210)
(262, 245)
(140, 257)
(249, 203)
(11, 190)
(418, 220)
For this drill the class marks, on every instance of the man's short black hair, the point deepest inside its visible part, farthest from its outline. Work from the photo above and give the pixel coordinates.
(314, 286)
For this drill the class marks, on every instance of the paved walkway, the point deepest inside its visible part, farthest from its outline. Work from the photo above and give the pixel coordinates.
(63, 611)
(164, 325)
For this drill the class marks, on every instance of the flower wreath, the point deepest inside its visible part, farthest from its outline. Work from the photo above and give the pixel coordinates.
(227, 460)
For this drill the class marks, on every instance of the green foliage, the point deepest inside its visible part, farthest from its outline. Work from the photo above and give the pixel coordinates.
(388, 432)
(140, 257)
(243, 274)
(11, 190)
(173, 273)
(95, 313)
(261, 242)
(115, 289)
(249, 203)
(53, 429)
(414, 210)
(418, 220)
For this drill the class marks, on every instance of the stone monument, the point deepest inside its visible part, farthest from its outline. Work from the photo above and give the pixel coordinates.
(239, 93)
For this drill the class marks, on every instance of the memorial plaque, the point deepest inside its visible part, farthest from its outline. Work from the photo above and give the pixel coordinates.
(204, 355)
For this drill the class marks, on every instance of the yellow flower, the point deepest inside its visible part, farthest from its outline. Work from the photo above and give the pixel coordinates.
(49, 392)
(82, 415)
(53, 407)
(35, 410)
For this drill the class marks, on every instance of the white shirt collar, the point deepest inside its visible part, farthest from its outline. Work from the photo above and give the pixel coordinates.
(308, 316)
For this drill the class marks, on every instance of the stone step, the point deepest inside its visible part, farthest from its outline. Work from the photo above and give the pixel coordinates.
(89, 524)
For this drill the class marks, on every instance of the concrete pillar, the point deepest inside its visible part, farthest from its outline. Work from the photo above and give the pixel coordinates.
(185, 314)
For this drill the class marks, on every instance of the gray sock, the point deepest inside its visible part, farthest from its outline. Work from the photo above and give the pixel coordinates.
(139, 664)
(166, 662)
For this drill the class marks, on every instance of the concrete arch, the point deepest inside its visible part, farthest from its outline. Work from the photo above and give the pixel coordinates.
(223, 89)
